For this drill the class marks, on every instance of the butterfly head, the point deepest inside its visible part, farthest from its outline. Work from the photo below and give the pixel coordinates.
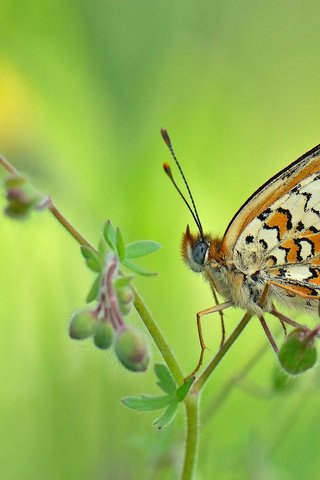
(195, 250)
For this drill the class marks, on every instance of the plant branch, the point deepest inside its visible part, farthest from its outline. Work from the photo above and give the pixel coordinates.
(158, 338)
(192, 438)
(67, 225)
(8, 166)
(192, 402)
(140, 306)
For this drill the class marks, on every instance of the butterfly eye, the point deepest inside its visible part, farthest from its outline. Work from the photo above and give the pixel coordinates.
(199, 252)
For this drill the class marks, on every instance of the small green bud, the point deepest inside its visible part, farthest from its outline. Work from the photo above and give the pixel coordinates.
(103, 335)
(132, 350)
(298, 353)
(125, 298)
(125, 294)
(82, 325)
(125, 308)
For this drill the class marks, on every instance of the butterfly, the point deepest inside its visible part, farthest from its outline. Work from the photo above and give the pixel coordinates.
(270, 251)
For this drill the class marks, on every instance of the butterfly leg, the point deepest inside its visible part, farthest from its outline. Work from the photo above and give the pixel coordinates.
(207, 311)
(265, 327)
(284, 327)
(223, 330)
(268, 333)
(274, 311)
(284, 318)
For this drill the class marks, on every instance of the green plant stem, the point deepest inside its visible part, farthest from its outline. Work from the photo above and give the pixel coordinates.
(158, 338)
(192, 436)
(221, 353)
(67, 225)
(192, 401)
(8, 166)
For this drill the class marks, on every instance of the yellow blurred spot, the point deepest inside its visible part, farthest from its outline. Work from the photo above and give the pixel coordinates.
(18, 106)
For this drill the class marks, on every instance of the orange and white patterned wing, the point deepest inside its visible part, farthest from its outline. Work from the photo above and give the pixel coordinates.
(277, 231)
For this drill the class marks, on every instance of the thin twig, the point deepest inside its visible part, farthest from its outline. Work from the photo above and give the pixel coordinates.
(8, 166)
(67, 225)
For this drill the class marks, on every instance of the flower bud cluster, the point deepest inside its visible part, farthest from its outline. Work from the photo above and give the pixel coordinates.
(106, 322)
(22, 197)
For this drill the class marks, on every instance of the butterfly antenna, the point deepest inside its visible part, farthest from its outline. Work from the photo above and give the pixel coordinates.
(167, 169)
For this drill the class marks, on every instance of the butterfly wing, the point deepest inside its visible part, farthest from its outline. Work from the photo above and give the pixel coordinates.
(268, 193)
(277, 231)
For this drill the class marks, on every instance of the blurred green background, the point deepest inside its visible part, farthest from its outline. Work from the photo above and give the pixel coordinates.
(84, 88)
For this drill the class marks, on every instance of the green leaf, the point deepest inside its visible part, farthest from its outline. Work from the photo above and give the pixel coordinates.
(91, 258)
(109, 234)
(182, 391)
(147, 403)
(167, 416)
(87, 252)
(141, 248)
(120, 244)
(102, 250)
(166, 381)
(94, 265)
(94, 290)
(137, 269)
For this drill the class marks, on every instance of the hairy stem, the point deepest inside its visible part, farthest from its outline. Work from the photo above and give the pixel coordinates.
(192, 437)
(192, 402)
(158, 338)
(8, 166)
(67, 225)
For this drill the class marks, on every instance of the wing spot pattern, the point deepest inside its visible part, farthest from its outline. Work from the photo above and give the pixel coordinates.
(300, 226)
(271, 261)
(281, 221)
(265, 214)
(308, 198)
(263, 243)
